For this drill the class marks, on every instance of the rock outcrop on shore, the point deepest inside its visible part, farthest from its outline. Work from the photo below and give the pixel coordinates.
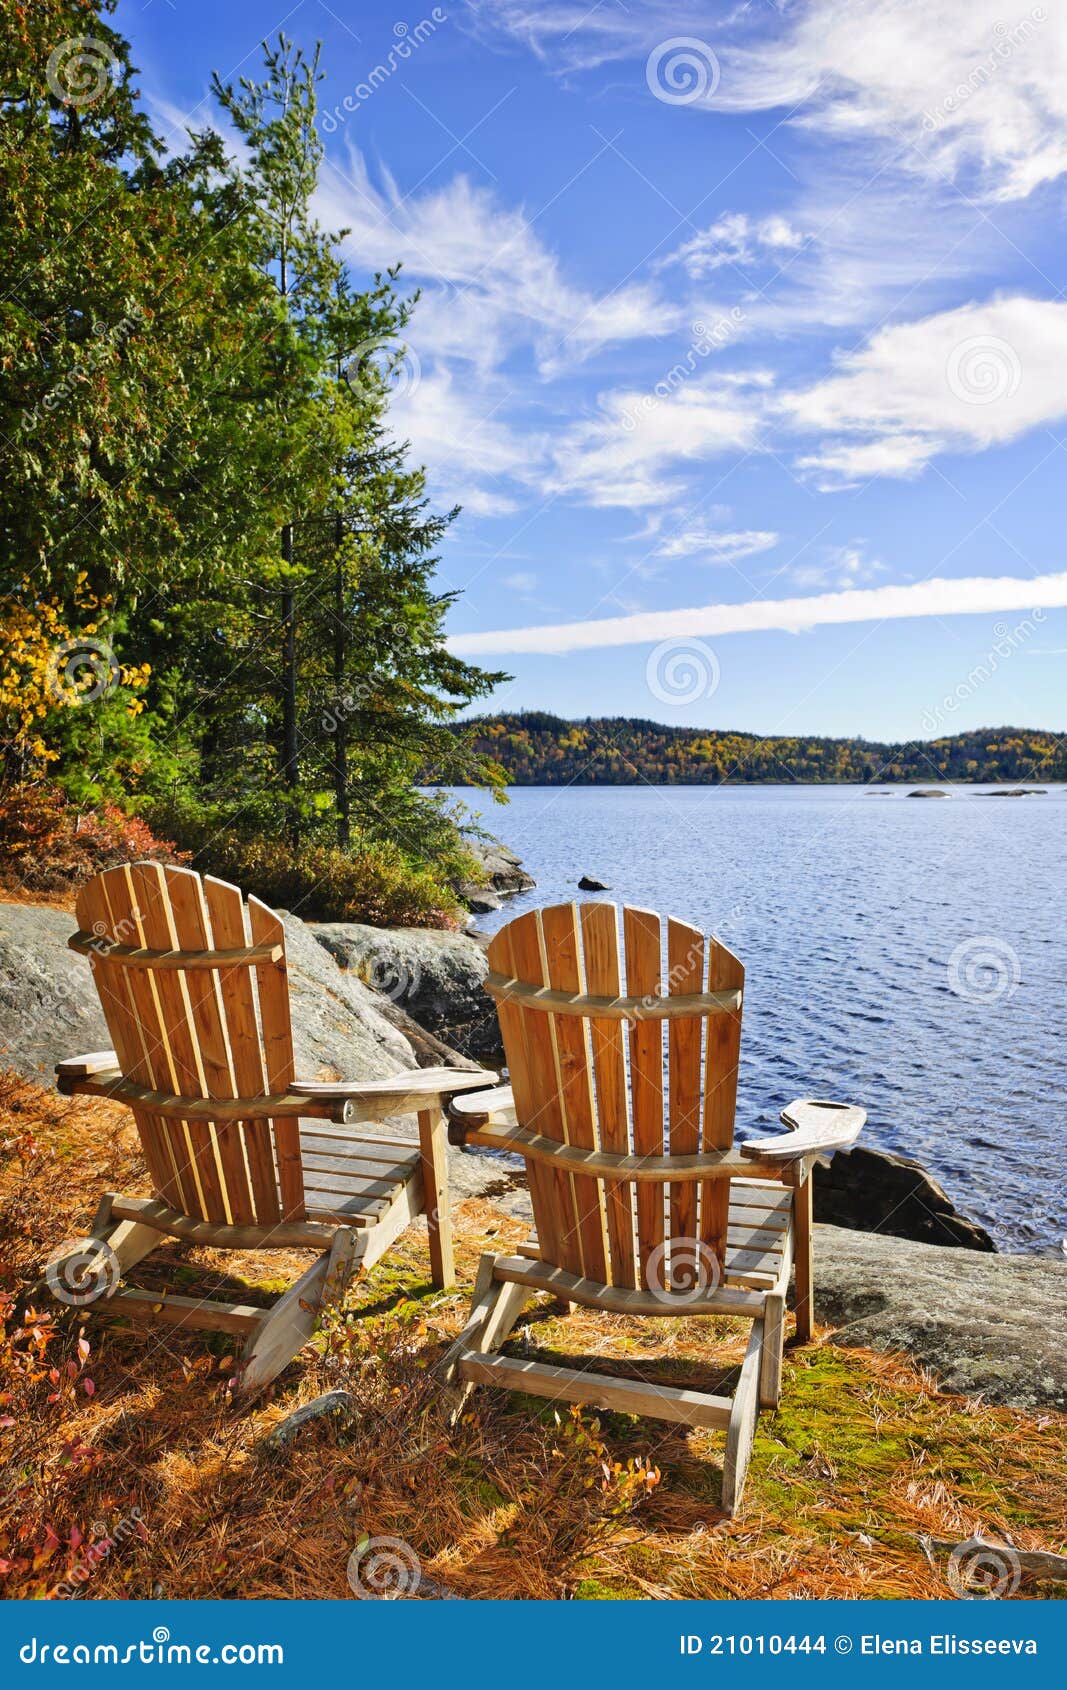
(436, 978)
(984, 1325)
(504, 873)
(49, 1007)
(875, 1191)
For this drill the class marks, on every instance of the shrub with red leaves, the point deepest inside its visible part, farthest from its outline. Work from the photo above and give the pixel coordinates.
(47, 845)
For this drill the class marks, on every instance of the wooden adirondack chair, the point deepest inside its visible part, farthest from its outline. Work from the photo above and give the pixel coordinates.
(241, 1154)
(642, 1204)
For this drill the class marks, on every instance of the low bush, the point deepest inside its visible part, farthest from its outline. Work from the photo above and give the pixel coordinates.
(375, 883)
(48, 844)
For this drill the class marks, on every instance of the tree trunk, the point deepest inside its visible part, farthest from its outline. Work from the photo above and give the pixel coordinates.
(340, 732)
(290, 753)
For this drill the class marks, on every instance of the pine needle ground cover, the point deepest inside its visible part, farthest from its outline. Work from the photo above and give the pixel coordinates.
(129, 1472)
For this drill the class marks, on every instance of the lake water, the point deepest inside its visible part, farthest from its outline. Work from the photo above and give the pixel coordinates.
(906, 954)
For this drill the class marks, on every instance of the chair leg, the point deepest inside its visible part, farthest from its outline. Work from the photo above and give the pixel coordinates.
(803, 1257)
(770, 1383)
(433, 1142)
(129, 1241)
(293, 1319)
(494, 1310)
(743, 1416)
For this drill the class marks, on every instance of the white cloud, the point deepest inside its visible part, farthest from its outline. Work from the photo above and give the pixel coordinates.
(969, 86)
(492, 284)
(958, 380)
(737, 239)
(968, 596)
(462, 441)
(844, 566)
(716, 545)
(628, 455)
(521, 582)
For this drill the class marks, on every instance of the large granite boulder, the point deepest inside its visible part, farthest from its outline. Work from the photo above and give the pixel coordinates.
(504, 875)
(48, 1003)
(874, 1191)
(49, 1008)
(992, 1327)
(436, 978)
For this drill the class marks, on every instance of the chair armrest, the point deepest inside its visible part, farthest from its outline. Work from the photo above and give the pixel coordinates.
(495, 1106)
(817, 1127)
(81, 1067)
(417, 1083)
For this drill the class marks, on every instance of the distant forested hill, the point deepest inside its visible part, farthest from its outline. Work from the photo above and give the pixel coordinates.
(541, 750)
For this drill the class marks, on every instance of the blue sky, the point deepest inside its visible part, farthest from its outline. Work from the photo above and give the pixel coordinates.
(742, 339)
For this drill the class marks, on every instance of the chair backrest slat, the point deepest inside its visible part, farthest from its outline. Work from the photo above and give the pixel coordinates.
(600, 939)
(104, 908)
(653, 1086)
(720, 1093)
(198, 1032)
(272, 984)
(685, 1039)
(177, 1030)
(570, 1034)
(227, 912)
(529, 1064)
(644, 968)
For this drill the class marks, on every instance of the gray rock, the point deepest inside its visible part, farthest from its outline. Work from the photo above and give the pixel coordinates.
(436, 978)
(49, 1007)
(339, 1031)
(335, 1405)
(928, 792)
(874, 1191)
(504, 872)
(48, 1003)
(588, 884)
(992, 1327)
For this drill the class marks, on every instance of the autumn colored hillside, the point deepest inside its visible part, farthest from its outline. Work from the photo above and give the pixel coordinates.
(537, 749)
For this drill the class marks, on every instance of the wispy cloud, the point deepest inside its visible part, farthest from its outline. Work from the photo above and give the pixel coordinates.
(969, 596)
(735, 239)
(715, 545)
(958, 380)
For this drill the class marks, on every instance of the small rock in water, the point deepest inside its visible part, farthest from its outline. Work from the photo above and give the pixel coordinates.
(928, 792)
(588, 884)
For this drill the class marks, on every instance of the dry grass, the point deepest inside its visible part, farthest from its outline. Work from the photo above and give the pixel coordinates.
(863, 1456)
